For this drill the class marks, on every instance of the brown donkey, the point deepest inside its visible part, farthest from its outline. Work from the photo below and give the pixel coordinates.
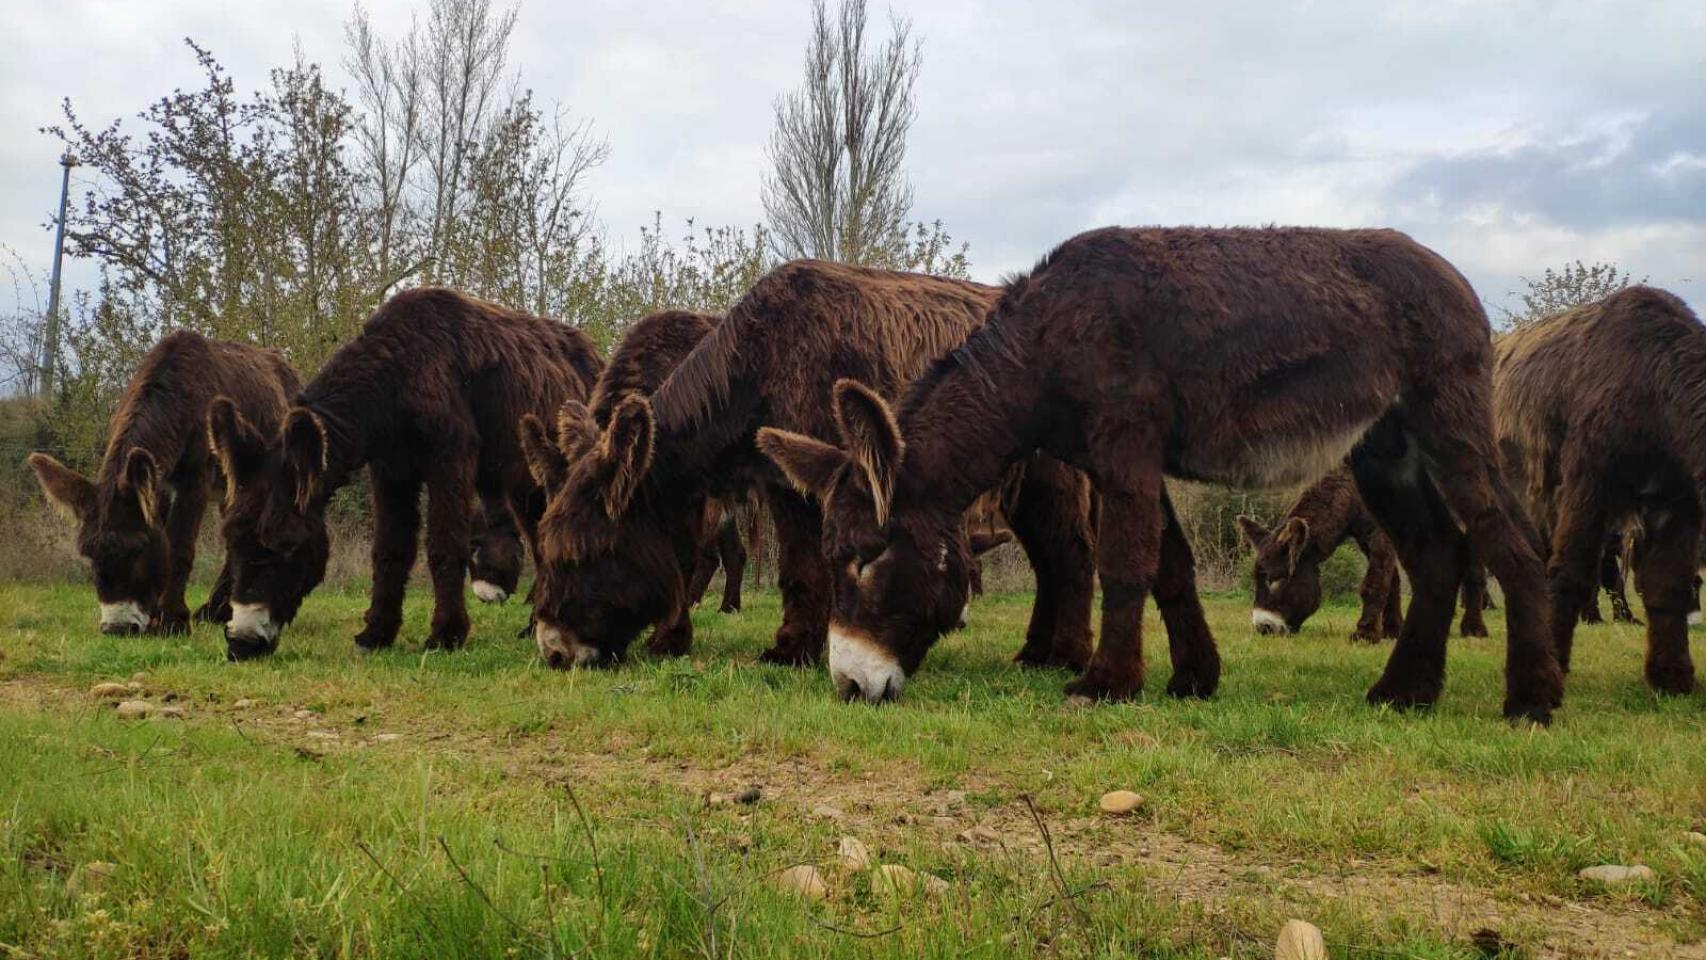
(620, 526)
(137, 521)
(1286, 569)
(429, 394)
(1247, 357)
(1601, 411)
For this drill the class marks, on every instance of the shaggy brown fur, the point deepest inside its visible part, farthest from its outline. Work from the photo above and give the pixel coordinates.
(1601, 411)
(630, 502)
(722, 549)
(428, 395)
(137, 520)
(494, 551)
(1286, 571)
(1246, 357)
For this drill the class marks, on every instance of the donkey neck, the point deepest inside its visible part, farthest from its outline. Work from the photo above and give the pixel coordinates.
(358, 410)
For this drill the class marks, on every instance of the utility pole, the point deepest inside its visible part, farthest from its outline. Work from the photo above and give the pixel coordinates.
(50, 336)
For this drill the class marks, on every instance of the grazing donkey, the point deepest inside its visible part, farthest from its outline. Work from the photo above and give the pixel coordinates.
(631, 499)
(429, 394)
(1247, 357)
(137, 521)
(1286, 571)
(494, 551)
(1600, 412)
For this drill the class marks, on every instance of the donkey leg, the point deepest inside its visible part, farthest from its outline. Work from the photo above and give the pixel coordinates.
(1577, 540)
(1376, 585)
(217, 609)
(1614, 579)
(526, 506)
(1474, 622)
(1128, 554)
(1392, 620)
(1050, 519)
(1408, 508)
(732, 552)
(1450, 425)
(1664, 576)
(396, 525)
(706, 560)
(183, 523)
(1196, 659)
(805, 581)
(450, 488)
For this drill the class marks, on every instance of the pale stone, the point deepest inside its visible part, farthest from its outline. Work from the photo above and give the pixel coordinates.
(826, 812)
(1300, 940)
(894, 880)
(804, 880)
(109, 691)
(135, 709)
(172, 713)
(1695, 837)
(246, 704)
(1613, 873)
(1119, 802)
(853, 853)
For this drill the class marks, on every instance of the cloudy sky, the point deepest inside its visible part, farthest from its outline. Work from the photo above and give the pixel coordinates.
(1509, 136)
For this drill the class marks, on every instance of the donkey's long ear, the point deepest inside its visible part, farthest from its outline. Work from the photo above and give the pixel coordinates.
(236, 445)
(984, 541)
(626, 451)
(872, 438)
(305, 453)
(807, 462)
(65, 488)
(141, 479)
(1294, 535)
(1253, 532)
(577, 432)
(544, 460)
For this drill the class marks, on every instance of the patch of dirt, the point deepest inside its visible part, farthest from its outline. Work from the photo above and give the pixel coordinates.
(883, 810)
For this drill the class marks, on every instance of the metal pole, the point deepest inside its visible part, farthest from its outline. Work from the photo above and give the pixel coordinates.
(50, 336)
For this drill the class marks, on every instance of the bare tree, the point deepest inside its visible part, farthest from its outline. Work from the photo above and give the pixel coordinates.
(838, 188)
(389, 87)
(1558, 290)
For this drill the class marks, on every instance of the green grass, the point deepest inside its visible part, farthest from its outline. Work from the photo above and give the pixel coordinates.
(410, 804)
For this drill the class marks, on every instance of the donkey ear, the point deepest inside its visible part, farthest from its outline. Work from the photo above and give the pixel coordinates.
(66, 489)
(1295, 535)
(626, 450)
(305, 453)
(872, 438)
(235, 444)
(1253, 532)
(544, 460)
(577, 431)
(807, 462)
(141, 478)
(984, 541)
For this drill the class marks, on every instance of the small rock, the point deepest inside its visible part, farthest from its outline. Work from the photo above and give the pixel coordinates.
(246, 704)
(1695, 838)
(804, 880)
(109, 691)
(172, 713)
(1078, 701)
(826, 812)
(1119, 802)
(387, 737)
(1300, 940)
(980, 835)
(322, 735)
(853, 853)
(955, 798)
(95, 875)
(304, 714)
(1614, 873)
(894, 880)
(718, 799)
(135, 709)
(139, 676)
(749, 796)
(133, 687)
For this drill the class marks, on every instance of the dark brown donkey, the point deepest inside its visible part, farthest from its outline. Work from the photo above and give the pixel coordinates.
(1286, 569)
(616, 525)
(1601, 411)
(429, 394)
(1246, 357)
(137, 521)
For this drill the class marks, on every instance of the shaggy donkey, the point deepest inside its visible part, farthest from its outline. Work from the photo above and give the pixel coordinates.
(623, 519)
(429, 394)
(1601, 411)
(137, 521)
(1248, 357)
(1286, 571)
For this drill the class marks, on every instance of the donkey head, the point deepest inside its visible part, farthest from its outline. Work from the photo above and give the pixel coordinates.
(900, 566)
(120, 533)
(494, 554)
(276, 543)
(610, 561)
(1287, 574)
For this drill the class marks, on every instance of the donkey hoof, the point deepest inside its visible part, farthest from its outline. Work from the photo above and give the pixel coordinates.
(788, 656)
(375, 638)
(447, 640)
(1198, 684)
(209, 613)
(1400, 697)
(1099, 688)
(1678, 682)
(1536, 713)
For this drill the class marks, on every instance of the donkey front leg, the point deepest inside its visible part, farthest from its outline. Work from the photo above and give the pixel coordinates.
(805, 580)
(1128, 553)
(450, 488)
(1051, 519)
(183, 522)
(1664, 576)
(396, 526)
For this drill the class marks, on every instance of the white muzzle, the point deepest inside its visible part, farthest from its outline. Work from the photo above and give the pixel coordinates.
(252, 620)
(861, 669)
(1267, 621)
(122, 617)
(562, 650)
(489, 592)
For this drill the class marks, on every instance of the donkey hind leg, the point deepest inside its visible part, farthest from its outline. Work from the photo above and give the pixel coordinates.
(1376, 588)
(1577, 540)
(450, 488)
(1449, 425)
(1128, 554)
(1196, 659)
(731, 551)
(1614, 578)
(1432, 551)
(396, 528)
(1392, 621)
(1664, 576)
(1050, 519)
(1474, 622)
(805, 581)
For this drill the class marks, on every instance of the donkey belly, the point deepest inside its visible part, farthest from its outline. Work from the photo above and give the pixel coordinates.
(1274, 458)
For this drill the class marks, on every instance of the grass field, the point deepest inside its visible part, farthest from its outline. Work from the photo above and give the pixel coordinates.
(474, 804)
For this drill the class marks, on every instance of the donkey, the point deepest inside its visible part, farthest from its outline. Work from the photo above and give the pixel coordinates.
(613, 534)
(1255, 358)
(1286, 570)
(494, 551)
(1567, 390)
(429, 394)
(137, 520)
